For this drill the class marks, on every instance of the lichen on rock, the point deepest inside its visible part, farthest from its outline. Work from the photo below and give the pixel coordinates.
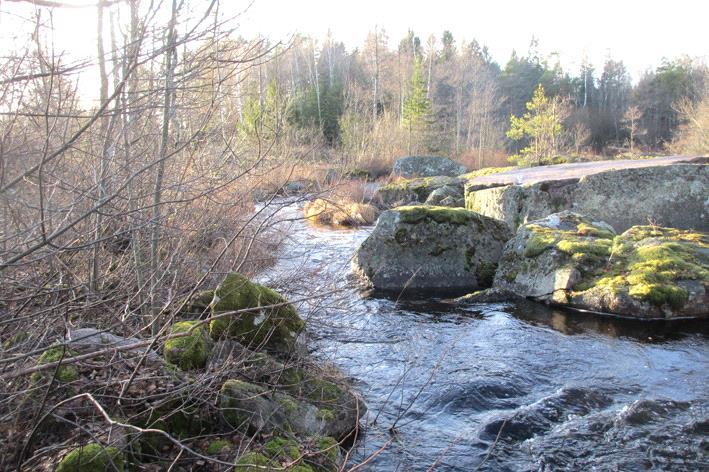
(646, 272)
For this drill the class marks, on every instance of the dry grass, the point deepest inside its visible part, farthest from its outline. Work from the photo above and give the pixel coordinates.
(489, 158)
(328, 212)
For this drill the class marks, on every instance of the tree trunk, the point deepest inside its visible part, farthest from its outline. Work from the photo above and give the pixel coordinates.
(157, 192)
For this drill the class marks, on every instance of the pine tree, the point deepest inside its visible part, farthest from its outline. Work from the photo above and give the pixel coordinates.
(417, 107)
(542, 124)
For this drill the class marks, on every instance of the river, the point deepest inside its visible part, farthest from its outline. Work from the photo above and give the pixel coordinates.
(496, 386)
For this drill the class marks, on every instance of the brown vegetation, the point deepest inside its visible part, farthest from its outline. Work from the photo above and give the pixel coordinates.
(340, 213)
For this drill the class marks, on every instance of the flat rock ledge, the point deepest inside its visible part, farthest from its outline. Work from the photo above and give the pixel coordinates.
(670, 195)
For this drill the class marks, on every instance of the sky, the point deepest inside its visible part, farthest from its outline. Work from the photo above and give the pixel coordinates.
(640, 33)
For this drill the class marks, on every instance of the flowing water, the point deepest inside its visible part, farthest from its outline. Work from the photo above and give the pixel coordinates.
(498, 386)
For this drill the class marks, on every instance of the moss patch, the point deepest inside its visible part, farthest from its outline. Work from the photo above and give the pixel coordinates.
(217, 446)
(65, 373)
(17, 338)
(486, 171)
(538, 243)
(190, 351)
(273, 327)
(419, 213)
(92, 458)
(485, 273)
(282, 449)
(328, 448)
(253, 462)
(587, 244)
(647, 262)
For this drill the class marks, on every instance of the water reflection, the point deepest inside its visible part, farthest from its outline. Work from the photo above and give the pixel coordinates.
(574, 323)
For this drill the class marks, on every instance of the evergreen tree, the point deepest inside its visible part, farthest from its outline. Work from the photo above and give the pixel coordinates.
(416, 106)
(265, 116)
(542, 124)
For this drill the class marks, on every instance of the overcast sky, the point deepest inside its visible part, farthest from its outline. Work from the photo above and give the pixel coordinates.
(640, 33)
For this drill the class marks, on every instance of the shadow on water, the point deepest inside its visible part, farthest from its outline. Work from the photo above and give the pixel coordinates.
(574, 322)
(569, 322)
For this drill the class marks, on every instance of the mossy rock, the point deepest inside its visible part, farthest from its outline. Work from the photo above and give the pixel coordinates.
(646, 272)
(215, 447)
(327, 457)
(420, 213)
(253, 408)
(431, 248)
(92, 458)
(198, 305)
(190, 351)
(182, 418)
(65, 373)
(275, 328)
(417, 190)
(253, 462)
(655, 265)
(282, 449)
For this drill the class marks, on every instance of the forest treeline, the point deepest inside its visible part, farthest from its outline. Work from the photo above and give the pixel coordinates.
(450, 97)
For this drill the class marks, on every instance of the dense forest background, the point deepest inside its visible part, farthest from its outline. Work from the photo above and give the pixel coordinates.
(451, 98)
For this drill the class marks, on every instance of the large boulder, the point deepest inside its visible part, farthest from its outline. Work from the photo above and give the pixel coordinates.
(673, 196)
(263, 318)
(429, 247)
(646, 272)
(257, 408)
(427, 166)
(419, 190)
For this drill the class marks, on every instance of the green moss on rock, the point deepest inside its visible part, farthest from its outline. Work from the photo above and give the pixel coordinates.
(253, 462)
(486, 171)
(328, 448)
(485, 273)
(281, 449)
(538, 243)
(420, 213)
(275, 328)
(217, 446)
(92, 458)
(190, 351)
(230, 396)
(648, 262)
(65, 373)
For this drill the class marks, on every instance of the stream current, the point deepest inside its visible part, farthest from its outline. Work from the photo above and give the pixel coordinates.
(497, 387)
